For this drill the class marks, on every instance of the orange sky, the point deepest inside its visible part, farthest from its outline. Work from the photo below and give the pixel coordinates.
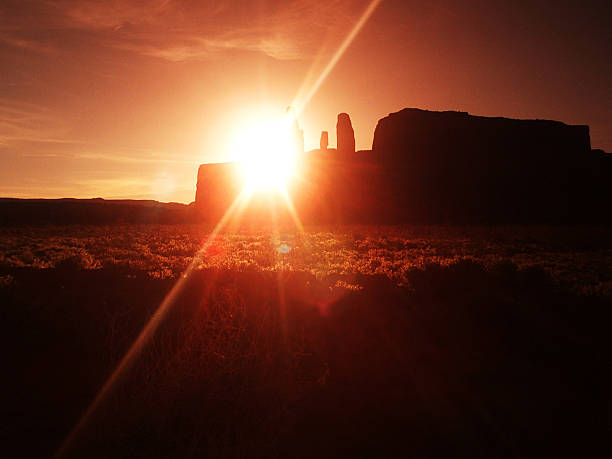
(123, 99)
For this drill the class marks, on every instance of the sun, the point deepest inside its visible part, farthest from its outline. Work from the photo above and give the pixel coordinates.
(267, 150)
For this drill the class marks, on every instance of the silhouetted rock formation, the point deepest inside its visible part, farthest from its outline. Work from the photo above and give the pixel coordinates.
(324, 142)
(217, 187)
(438, 132)
(440, 167)
(455, 166)
(345, 134)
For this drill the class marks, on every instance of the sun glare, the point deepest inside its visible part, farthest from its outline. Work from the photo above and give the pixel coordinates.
(267, 151)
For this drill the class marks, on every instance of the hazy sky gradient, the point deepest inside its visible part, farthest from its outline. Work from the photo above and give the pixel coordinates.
(125, 98)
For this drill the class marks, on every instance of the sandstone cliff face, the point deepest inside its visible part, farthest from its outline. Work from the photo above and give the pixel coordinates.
(491, 169)
(420, 131)
(217, 187)
(345, 134)
(324, 141)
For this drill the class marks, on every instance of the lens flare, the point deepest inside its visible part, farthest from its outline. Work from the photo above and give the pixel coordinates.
(267, 153)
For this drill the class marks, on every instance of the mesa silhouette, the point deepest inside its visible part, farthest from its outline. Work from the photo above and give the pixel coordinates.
(436, 167)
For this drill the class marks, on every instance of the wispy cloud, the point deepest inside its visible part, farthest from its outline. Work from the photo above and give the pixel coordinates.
(152, 157)
(113, 14)
(26, 122)
(27, 44)
(197, 48)
(180, 30)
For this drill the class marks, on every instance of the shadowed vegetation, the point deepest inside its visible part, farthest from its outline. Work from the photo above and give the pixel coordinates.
(577, 257)
(461, 359)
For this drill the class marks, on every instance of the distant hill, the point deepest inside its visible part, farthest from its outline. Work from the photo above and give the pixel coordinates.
(18, 212)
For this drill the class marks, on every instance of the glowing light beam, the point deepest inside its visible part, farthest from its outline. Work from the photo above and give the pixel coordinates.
(299, 106)
(239, 204)
(292, 211)
(149, 329)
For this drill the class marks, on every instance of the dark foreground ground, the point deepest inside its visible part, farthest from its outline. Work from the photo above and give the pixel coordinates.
(462, 360)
